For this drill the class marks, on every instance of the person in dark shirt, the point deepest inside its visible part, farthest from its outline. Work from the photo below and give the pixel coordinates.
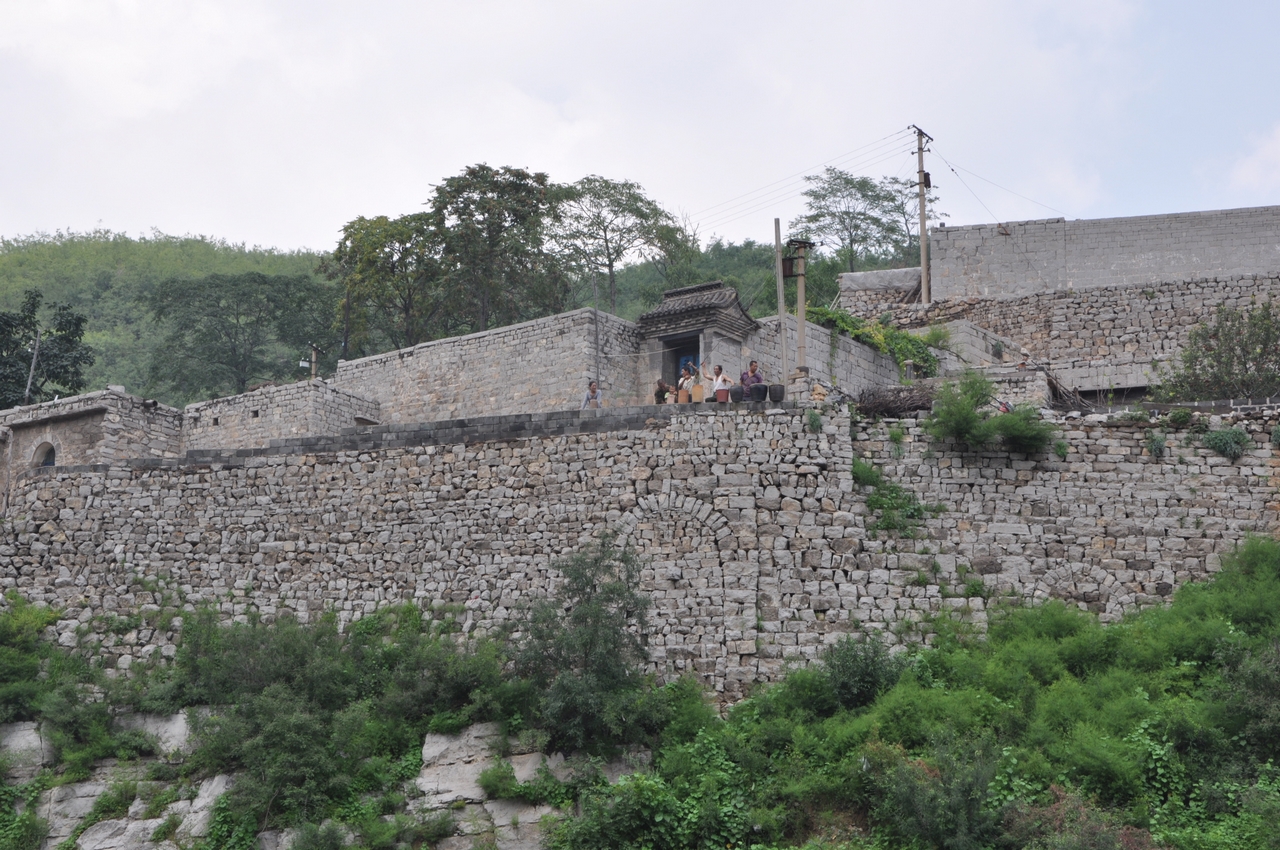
(752, 376)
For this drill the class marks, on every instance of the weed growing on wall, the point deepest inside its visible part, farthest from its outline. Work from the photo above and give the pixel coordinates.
(1234, 355)
(898, 511)
(881, 336)
(1228, 442)
(962, 412)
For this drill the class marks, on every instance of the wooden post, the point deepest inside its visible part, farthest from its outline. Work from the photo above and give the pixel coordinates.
(782, 299)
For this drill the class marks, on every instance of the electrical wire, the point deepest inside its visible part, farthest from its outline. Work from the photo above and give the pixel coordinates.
(953, 168)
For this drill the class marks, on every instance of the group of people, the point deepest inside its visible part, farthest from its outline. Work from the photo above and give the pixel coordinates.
(688, 379)
(720, 382)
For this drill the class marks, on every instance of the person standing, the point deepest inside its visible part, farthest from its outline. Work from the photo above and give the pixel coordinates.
(720, 382)
(752, 376)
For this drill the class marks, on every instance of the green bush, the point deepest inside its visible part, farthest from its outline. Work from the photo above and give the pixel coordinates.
(881, 336)
(860, 670)
(1022, 430)
(960, 413)
(1234, 355)
(866, 474)
(1228, 442)
(1180, 417)
(943, 802)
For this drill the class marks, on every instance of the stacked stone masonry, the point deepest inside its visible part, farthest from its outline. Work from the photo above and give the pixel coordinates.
(754, 534)
(1096, 339)
(544, 364)
(255, 418)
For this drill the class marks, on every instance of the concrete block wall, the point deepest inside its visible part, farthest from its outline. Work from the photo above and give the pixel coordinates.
(1025, 257)
(758, 544)
(543, 364)
(256, 418)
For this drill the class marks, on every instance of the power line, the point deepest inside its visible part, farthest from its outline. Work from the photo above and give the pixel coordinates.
(800, 173)
(998, 186)
(789, 190)
(794, 190)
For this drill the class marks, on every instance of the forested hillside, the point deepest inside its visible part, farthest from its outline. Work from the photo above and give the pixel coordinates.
(110, 278)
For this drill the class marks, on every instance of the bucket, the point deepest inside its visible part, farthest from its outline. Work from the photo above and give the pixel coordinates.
(698, 391)
(682, 397)
(735, 393)
(777, 392)
(722, 396)
(759, 392)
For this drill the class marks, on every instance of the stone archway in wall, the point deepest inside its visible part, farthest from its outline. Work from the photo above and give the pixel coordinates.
(704, 590)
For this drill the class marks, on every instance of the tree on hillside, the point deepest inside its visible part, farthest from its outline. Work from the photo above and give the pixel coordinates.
(497, 253)
(866, 220)
(392, 272)
(676, 253)
(56, 347)
(226, 331)
(1235, 355)
(607, 220)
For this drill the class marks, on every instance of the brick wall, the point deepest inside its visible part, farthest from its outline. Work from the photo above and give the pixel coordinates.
(755, 536)
(256, 418)
(1020, 258)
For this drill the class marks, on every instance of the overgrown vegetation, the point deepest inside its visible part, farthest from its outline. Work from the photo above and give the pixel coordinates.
(1236, 354)
(1049, 731)
(962, 412)
(885, 338)
(897, 510)
(1228, 442)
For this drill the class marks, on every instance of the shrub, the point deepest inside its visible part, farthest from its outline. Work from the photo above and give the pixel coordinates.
(1234, 355)
(1179, 417)
(866, 474)
(860, 670)
(1229, 442)
(1070, 823)
(584, 646)
(1154, 443)
(881, 336)
(957, 411)
(943, 802)
(1022, 430)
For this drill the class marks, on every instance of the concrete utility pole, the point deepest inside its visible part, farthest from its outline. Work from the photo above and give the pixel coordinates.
(922, 177)
(800, 246)
(35, 355)
(782, 298)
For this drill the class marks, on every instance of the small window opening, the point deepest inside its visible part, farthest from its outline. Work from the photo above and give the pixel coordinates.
(215, 420)
(253, 414)
(46, 456)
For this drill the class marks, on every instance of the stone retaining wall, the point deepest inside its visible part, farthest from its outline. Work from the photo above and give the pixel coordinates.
(755, 534)
(292, 410)
(1025, 257)
(1096, 339)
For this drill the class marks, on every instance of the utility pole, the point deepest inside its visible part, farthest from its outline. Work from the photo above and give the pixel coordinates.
(922, 183)
(782, 298)
(35, 355)
(800, 246)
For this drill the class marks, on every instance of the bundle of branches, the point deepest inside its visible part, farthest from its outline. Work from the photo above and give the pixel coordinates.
(894, 402)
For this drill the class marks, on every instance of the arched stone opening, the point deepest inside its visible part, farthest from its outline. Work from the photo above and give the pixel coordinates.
(44, 455)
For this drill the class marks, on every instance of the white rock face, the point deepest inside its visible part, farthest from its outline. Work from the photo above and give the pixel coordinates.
(171, 732)
(451, 765)
(26, 748)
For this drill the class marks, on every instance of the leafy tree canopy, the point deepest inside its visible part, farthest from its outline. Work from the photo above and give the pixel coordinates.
(56, 347)
(1234, 355)
(226, 331)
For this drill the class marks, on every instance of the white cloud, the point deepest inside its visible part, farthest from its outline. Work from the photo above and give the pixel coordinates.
(1258, 171)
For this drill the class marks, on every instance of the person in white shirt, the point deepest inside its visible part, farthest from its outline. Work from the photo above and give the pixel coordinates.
(719, 381)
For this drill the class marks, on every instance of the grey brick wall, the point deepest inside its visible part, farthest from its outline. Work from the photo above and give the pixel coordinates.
(1024, 257)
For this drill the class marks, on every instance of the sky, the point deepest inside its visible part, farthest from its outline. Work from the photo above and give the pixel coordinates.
(274, 123)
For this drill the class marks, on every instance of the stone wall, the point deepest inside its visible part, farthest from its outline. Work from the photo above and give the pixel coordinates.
(758, 542)
(256, 418)
(852, 366)
(544, 364)
(1025, 257)
(1096, 339)
(98, 427)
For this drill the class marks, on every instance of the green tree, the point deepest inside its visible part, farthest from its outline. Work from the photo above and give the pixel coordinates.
(493, 225)
(584, 646)
(392, 273)
(56, 347)
(1234, 355)
(607, 220)
(227, 331)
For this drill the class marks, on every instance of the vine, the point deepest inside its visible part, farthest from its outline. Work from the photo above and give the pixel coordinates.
(884, 338)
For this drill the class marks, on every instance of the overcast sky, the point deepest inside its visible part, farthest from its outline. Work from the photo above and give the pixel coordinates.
(274, 123)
